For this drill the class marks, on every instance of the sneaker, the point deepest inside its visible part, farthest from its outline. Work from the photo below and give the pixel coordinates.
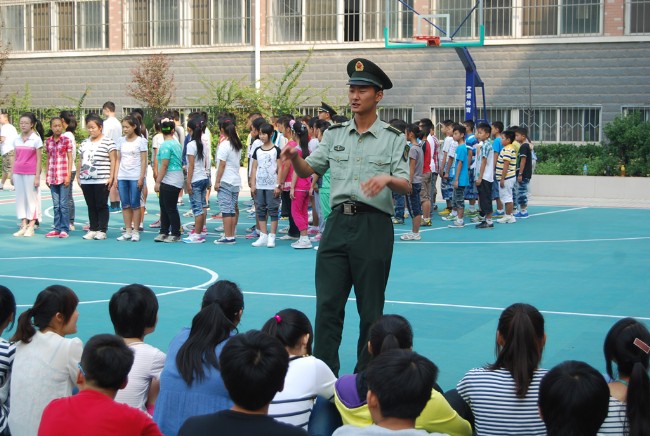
(29, 232)
(21, 232)
(194, 239)
(521, 214)
(397, 221)
(53, 234)
(301, 244)
(284, 230)
(456, 224)
(140, 228)
(316, 248)
(86, 228)
(261, 241)
(450, 217)
(435, 207)
(507, 219)
(204, 232)
(254, 234)
(271, 241)
(225, 241)
(114, 209)
(160, 238)
(125, 237)
(189, 213)
(155, 225)
(100, 236)
(288, 238)
(315, 238)
(476, 219)
(444, 212)
(63, 235)
(284, 218)
(172, 238)
(89, 235)
(249, 229)
(426, 222)
(410, 237)
(498, 214)
(472, 213)
(135, 237)
(485, 225)
(312, 231)
(71, 227)
(219, 229)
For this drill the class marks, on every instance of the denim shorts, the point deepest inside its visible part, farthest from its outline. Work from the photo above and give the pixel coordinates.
(522, 192)
(471, 192)
(415, 205)
(495, 189)
(129, 193)
(197, 199)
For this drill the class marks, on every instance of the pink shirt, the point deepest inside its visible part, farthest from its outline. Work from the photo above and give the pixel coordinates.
(25, 162)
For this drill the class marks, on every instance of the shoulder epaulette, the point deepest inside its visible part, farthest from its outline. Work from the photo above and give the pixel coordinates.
(394, 130)
(336, 126)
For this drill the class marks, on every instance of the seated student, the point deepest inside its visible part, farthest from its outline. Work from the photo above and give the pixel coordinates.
(253, 366)
(387, 333)
(573, 400)
(134, 314)
(307, 377)
(398, 391)
(103, 370)
(7, 352)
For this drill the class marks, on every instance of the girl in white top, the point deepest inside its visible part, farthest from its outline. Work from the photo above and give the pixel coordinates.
(45, 367)
(227, 181)
(131, 173)
(307, 377)
(198, 178)
(628, 346)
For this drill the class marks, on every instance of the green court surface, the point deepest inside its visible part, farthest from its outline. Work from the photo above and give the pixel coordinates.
(583, 267)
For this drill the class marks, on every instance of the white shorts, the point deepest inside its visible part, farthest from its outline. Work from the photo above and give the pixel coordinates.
(505, 194)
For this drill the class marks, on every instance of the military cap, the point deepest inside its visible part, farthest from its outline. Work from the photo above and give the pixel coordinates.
(363, 72)
(324, 107)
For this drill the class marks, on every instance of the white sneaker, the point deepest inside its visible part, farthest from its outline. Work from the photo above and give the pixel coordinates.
(29, 232)
(21, 232)
(507, 219)
(262, 240)
(302, 243)
(89, 235)
(288, 238)
(270, 243)
(100, 236)
(125, 237)
(135, 237)
(410, 237)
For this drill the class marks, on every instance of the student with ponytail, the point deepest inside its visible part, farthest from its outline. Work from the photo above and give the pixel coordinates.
(198, 178)
(627, 345)
(190, 383)
(503, 395)
(7, 352)
(392, 332)
(45, 366)
(70, 126)
(227, 181)
(300, 187)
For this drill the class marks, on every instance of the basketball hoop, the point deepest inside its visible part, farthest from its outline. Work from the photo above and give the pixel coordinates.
(432, 41)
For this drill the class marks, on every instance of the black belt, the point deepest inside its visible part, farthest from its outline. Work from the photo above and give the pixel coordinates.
(354, 207)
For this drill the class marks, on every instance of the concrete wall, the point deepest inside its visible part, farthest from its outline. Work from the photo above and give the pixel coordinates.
(635, 189)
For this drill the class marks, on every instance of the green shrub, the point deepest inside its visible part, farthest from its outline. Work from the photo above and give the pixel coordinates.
(628, 138)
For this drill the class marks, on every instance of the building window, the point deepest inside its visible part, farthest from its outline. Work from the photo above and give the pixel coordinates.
(53, 26)
(643, 111)
(187, 23)
(387, 113)
(638, 16)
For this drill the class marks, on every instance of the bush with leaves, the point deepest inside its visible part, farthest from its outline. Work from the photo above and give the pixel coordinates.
(628, 138)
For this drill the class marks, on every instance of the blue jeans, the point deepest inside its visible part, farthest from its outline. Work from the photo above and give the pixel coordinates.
(60, 198)
(129, 193)
(415, 206)
(197, 199)
(324, 418)
(522, 193)
(399, 205)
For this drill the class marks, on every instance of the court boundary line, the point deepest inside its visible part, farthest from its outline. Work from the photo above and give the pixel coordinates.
(553, 241)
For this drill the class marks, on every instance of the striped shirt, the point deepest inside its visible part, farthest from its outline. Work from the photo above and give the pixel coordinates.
(7, 353)
(616, 420)
(57, 159)
(509, 155)
(95, 165)
(497, 409)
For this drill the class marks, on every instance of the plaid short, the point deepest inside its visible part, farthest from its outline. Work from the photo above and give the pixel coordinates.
(447, 189)
(471, 193)
(6, 161)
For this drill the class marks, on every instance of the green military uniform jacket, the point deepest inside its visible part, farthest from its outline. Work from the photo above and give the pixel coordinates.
(354, 158)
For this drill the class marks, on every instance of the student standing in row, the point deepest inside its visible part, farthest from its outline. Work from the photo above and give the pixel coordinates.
(58, 170)
(169, 183)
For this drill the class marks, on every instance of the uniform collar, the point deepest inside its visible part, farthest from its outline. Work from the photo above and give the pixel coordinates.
(375, 129)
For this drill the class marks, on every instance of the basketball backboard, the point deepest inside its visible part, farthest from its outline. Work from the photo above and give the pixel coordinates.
(410, 23)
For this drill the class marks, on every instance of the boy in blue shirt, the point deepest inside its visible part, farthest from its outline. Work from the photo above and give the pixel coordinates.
(461, 176)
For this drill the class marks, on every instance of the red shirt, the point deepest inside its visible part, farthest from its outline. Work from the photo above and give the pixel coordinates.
(57, 159)
(426, 165)
(93, 413)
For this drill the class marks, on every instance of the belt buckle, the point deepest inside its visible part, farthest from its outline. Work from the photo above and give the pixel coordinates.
(348, 209)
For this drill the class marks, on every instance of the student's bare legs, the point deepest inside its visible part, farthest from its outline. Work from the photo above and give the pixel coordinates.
(127, 215)
(509, 208)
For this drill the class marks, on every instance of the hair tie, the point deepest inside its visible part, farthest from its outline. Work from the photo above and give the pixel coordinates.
(278, 318)
(165, 120)
(642, 345)
(291, 123)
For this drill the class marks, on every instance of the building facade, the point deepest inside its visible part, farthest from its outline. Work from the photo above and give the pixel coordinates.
(565, 68)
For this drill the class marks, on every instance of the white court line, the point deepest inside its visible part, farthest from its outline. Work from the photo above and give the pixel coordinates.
(556, 241)
(94, 282)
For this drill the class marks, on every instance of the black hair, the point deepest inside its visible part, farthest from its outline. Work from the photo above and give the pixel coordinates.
(139, 116)
(94, 118)
(417, 132)
(133, 121)
(573, 400)
(197, 124)
(510, 134)
(322, 125)
(109, 105)
(253, 368)
(50, 301)
(167, 127)
(460, 128)
(484, 127)
(227, 117)
(338, 119)
(138, 110)
(469, 125)
(214, 323)
(37, 125)
(448, 123)
(522, 131)
(156, 124)
(627, 344)
(230, 130)
(402, 380)
(268, 129)
(133, 309)
(427, 124)
(257, 123)
(69, 118)
(176, 114)
(106, 361)
(301, 131)
(55, 119)
(312, 122)
(398, 124)
(521, 327)
(7, 306)
(498, 125)
(390, 332)
(289, 326)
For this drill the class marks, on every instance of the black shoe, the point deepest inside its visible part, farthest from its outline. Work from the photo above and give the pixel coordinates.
(485, 225)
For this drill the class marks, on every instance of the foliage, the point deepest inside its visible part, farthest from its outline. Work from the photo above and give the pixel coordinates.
(4, 55)
(569, 159)
(285, 96)
(153, 83)
(628, 138)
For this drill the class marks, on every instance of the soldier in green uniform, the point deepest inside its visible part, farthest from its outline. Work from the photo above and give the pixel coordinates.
(365, 156)
(326, 112)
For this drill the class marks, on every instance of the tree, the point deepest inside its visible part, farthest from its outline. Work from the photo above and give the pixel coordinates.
(153, 83)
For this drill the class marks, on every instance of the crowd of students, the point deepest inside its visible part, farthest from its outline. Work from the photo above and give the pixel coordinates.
(215, 380)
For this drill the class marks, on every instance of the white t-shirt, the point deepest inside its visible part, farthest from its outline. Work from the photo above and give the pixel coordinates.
(72, 139)
(130, 157)
(254, 146)
(266, 176)
(147, 365)
(201, 166)
(225, 152)
(313, 145)
(306, 378)
(488, 173)
(112, 128)
(9, 132)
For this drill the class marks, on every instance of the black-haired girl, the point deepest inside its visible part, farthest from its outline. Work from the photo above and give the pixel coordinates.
(70, 126)
(169, 183)
(198, 178)
(300, 187)
(7, 351)
(227, 181)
